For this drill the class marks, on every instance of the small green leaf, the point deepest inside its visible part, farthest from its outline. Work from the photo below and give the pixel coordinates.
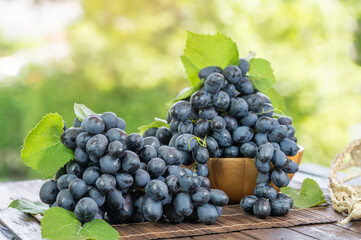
(277, 100)
(186, 92)
(207, 50)
(43, 150)
(261, 74)
(81, 111)
(310, 194)
(157, 123)
(27, 206)
(61, 224)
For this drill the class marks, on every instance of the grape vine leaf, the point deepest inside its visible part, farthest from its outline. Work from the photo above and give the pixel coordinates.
(43, 150)
(27, 206)
(157, 123)
(277, 100)
(61, 224)
(81, 111)
(186, 92)
(310, 194)
(261, 74)
(204, 50)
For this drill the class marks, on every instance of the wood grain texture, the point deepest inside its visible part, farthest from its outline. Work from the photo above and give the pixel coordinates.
(227, 236)
(276, 234)
(328, 231)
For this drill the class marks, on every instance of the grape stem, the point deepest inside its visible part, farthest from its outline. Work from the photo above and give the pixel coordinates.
(201, 142)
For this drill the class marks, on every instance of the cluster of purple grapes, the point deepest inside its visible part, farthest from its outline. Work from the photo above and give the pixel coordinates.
(128, 178)
(229, 118)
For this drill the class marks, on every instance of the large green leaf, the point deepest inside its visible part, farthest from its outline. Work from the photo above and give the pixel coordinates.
(203, 50)
(261, 74)
(43, 150)
(310, 194)
(27, 206)
(61, 224)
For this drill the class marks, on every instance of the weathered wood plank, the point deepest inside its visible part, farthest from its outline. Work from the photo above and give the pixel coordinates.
(22, 226)
(5, 234)
(229, 236)
(329, 231)
(276, 233)
(22, 189)
(354, 226)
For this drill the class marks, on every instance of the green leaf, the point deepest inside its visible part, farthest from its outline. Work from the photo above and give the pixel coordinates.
(207, 50)
(186, 92)
(277, 100)
(43, 150)
(61, 224)
(27, 206)
(81, 111)
(310, 194)
(157, 123)
(261, 74)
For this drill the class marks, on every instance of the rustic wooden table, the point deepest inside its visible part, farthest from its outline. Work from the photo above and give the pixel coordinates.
(315, 223)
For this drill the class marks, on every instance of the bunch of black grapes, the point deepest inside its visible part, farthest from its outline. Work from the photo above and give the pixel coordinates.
(229, 118)
(128, 178)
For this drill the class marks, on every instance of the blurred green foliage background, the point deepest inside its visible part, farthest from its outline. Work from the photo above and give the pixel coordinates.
(124, 57)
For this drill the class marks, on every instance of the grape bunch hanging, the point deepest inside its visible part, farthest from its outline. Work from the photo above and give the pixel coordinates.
(229, 118)
(128, 178)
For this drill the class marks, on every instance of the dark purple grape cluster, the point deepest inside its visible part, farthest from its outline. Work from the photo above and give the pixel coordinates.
(229, 118)
(129, 178)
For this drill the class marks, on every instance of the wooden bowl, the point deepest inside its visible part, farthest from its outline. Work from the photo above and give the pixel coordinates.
(237, 176)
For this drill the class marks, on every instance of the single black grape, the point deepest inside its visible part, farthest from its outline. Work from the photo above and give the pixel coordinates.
(248, 150)
(97, 145)
(124, 180)
(279, 178)
(201, 99)
(232, 73)
(65, 200)
(218, 197)
(247, 203)
(205, 72)
(214, 82)
(183, 204)
(156, 167)
(207, 213)
(141, 178)
(109, 119)
(261, 208)
(152, 141)
(94, 125)
(164, 135)
(208, 113)
(290, 166)
(185, 126)
(221, 100)
(116, 149)
(135, 142)
(68, 138)
(201, 196)
(181, 110)
(108, 164)
(147, 153)
(150, 132)
(116, 134)
(48, 192)
(265, 152)
(115, 199)
(82, 139)
(152, 209)
(130, 162)
(105, 183)
(202, 128)
(98, 197)
(90, 175)
(78, 188)
(64, 180)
